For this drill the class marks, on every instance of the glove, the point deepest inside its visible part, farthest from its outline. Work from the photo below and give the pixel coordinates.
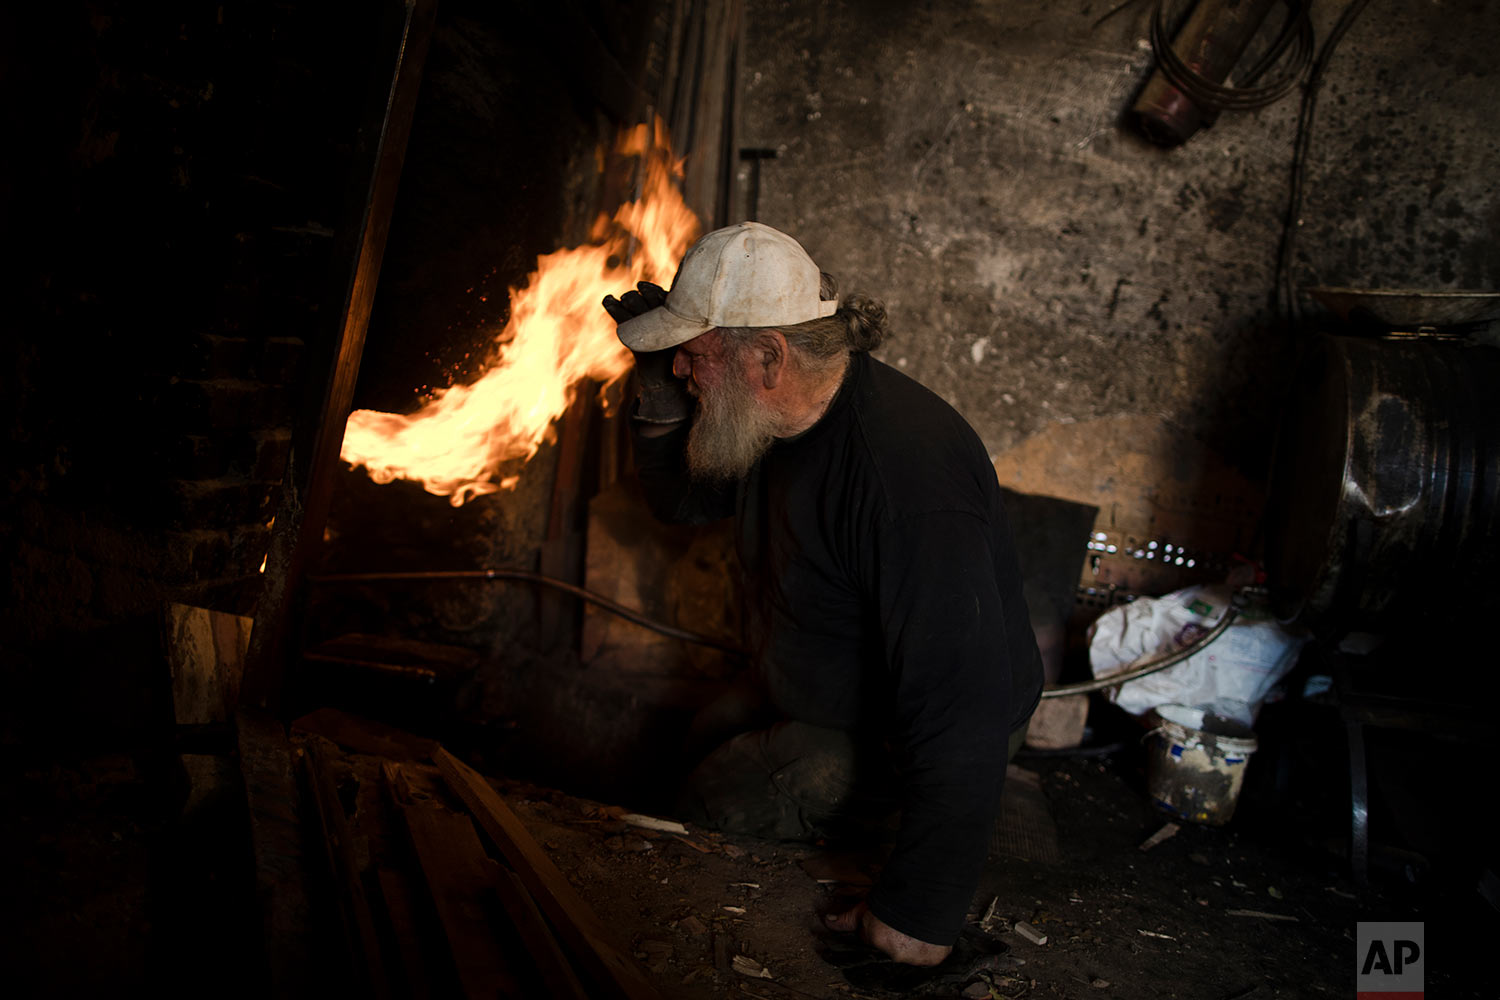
(663, 397)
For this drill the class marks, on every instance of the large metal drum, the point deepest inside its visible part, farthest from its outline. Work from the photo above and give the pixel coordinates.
(1384, 495)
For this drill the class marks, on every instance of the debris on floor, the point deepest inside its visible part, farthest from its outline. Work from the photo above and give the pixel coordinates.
(1168, 830)
(701, 914)
(1029, 932)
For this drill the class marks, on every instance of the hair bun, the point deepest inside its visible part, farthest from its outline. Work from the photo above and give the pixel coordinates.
(866, 322)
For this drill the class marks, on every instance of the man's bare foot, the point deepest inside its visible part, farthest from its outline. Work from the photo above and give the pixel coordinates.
(879, 934)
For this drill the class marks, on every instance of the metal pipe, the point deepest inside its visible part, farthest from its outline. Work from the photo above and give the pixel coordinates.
(629, 614)
(1152, 666)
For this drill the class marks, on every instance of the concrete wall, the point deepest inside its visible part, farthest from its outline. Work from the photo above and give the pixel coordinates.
(1098, 308)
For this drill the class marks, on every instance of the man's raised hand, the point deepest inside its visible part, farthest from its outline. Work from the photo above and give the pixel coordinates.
(664, 398)
(645, 298)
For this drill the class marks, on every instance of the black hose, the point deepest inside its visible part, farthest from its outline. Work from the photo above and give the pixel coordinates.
(1286, 293)
(1045, 753)
(1211, 97)
(629, 614)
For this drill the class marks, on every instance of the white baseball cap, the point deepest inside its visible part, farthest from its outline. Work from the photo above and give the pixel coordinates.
(742, 275)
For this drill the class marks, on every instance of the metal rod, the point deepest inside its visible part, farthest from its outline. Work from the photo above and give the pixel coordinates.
(629, 614)
(1150, 666)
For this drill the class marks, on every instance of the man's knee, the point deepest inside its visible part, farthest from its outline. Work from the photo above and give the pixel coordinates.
(788, 782)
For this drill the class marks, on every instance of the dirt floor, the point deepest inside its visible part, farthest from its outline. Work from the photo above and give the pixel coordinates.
(1206, 913)
(1257, 909)
(1118, 922)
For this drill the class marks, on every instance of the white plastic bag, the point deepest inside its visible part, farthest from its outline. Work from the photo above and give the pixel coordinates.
(1231, 677)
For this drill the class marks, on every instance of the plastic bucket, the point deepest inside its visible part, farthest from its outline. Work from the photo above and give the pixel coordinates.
(1196, 764)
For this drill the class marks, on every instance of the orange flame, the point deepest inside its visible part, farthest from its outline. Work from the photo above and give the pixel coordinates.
(556, 337)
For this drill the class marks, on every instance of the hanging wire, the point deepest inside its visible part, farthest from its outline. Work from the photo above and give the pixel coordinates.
(1211, 97)
(1287, 304)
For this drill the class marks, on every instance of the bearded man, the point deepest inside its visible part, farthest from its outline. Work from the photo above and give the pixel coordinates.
(894, 666)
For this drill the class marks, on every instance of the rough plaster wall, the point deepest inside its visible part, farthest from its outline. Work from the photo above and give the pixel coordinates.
(1062, 282)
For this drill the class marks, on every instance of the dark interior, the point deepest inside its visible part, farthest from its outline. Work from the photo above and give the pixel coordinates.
(188, 189)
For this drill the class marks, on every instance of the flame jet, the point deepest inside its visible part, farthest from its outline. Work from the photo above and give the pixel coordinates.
(557, 336)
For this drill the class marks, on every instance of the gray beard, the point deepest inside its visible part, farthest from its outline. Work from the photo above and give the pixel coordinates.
(730, 433)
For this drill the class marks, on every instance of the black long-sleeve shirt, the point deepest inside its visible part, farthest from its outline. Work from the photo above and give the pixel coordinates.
(885, 599)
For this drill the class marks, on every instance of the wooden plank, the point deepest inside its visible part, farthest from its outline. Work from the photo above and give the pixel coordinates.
(307, 492)
(400, 657)
(398, 908)
(726, 210)
(365, 736)
(461, 879)
(354, 907)
(666, 86)
(682, 88)
(703, 109)
(552, 964)
(562, 550)
(206, 654)
(276, 844)
(608, 966)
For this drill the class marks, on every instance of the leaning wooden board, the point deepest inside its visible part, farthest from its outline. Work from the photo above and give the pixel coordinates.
(606, 964)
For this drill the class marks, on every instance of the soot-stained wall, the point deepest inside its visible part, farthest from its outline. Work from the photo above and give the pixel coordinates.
(1098, 308)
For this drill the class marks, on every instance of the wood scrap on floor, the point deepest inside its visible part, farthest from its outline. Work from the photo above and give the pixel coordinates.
(1167, 831)
(281, 882)
(610, 967)
(428, 905)
(843, 867)
(365, 735)
(354, 905)
(206, 652)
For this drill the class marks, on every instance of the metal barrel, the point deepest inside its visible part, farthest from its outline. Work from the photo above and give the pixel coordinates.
(1382, 512)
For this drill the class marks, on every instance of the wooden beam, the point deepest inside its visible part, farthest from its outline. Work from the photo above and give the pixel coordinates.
(307, 491)
(552, 964)
(461, 879)
(608, 966)
(206, 652)
(354, 907)
(403, 925)
(276, 843)
(562, 549)
(365, 736)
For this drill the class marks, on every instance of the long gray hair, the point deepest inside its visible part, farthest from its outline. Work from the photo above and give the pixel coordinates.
(858, 325)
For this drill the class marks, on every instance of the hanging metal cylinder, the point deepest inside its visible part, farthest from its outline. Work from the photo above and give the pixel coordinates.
(1209, 44)
(1384, 508)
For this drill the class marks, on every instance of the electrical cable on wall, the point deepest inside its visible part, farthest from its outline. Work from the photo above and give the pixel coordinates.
(1212, 97)
(1285, 292)
(1191, 87)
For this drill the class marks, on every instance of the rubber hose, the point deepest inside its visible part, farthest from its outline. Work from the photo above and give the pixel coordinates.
(629, 614)
(1151, 666)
